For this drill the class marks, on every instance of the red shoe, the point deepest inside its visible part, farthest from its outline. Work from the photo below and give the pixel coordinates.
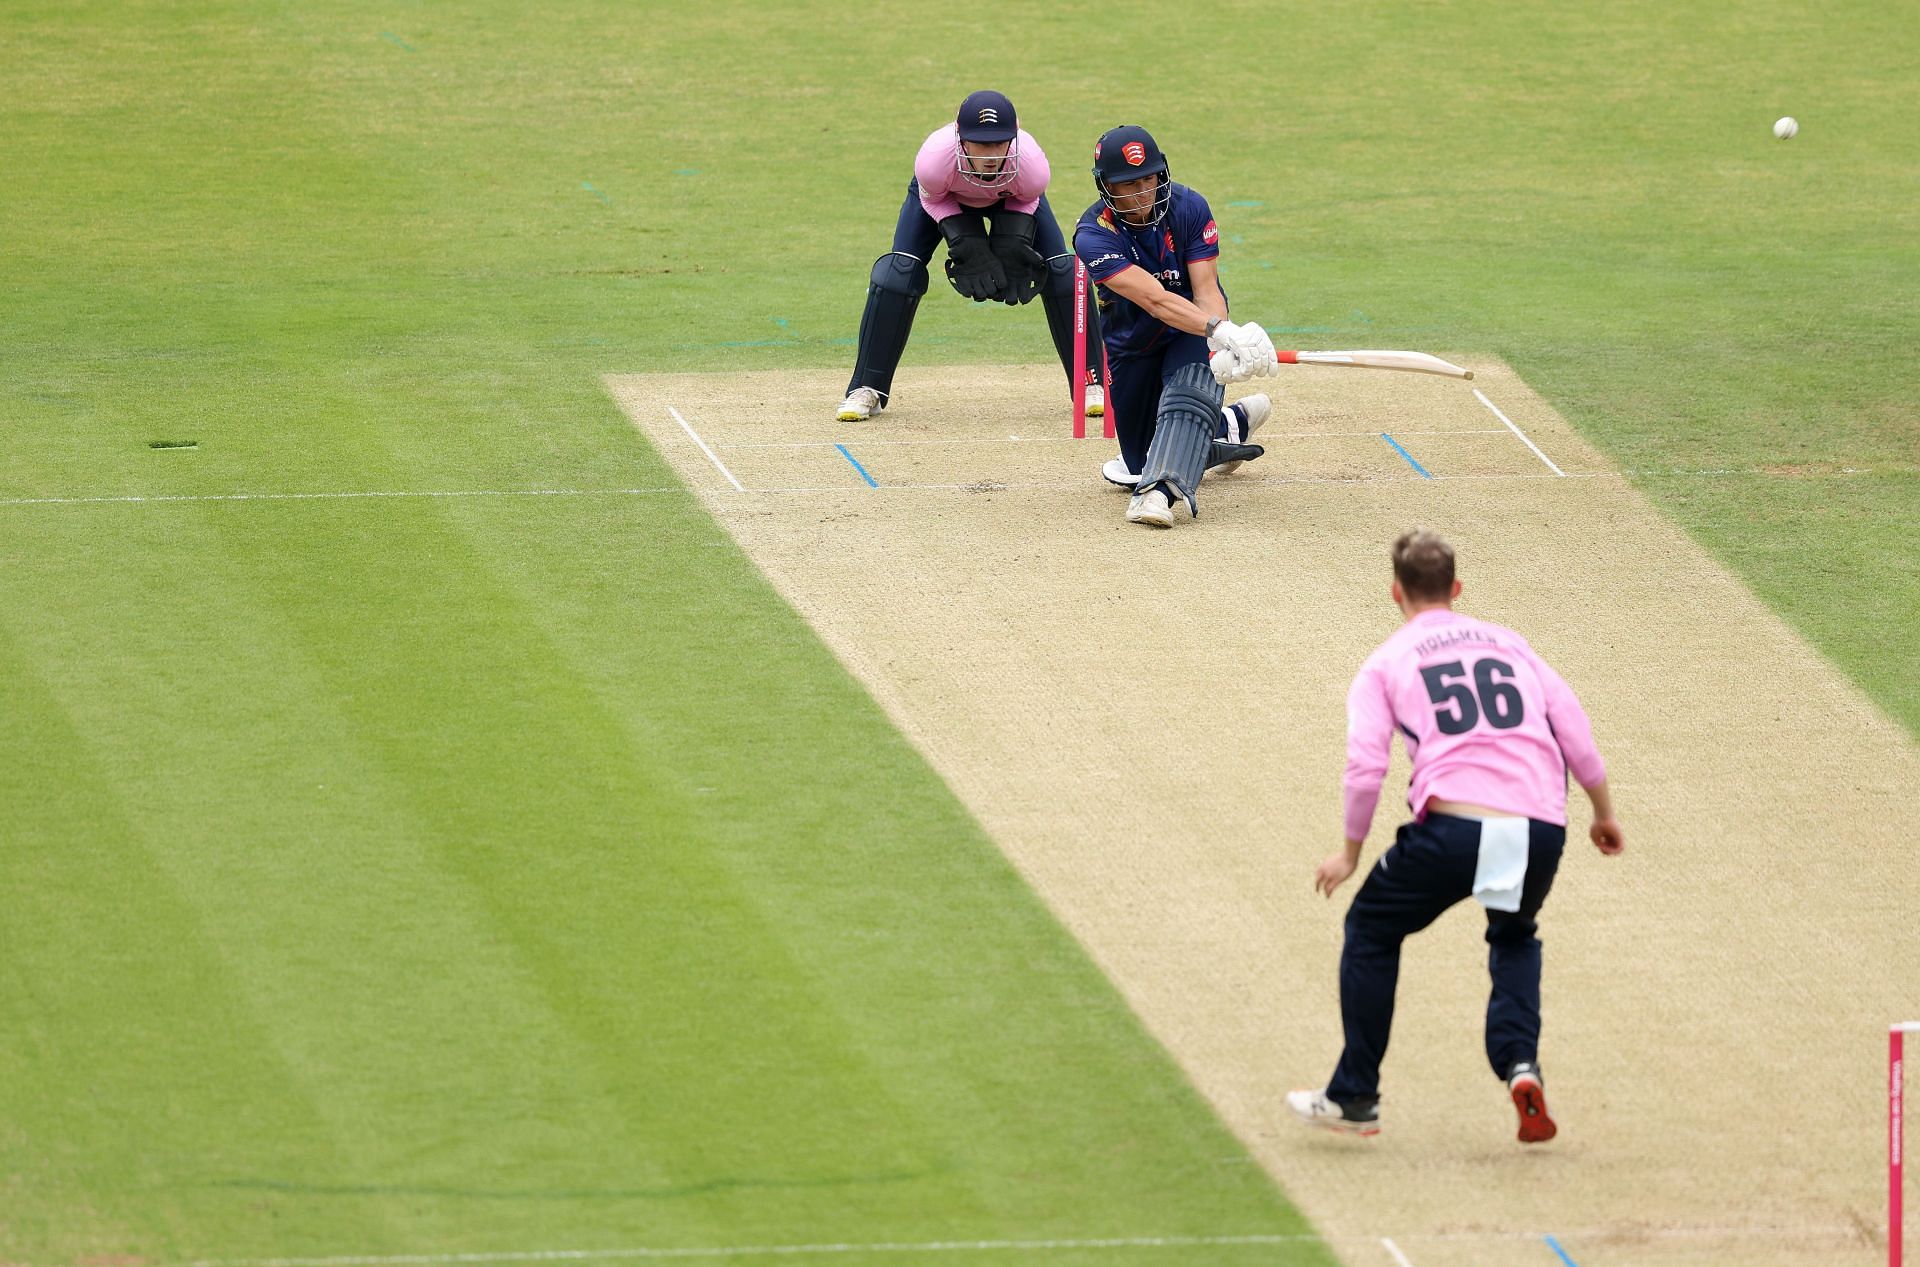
(1530, 1098)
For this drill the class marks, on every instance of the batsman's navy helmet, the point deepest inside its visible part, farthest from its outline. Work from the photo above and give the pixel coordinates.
(1128, 153)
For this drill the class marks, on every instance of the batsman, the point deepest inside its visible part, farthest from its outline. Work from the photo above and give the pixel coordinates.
(1152, 248)
(979, 183)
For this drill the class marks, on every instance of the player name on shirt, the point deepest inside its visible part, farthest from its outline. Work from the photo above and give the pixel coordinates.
(1453, 638)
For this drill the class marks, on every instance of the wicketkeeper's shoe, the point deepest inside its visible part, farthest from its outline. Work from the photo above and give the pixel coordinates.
(1115, 472)
(1313, 1108)
(861, 404)
(1530, 1098)
(1151, 508)
(1244, 417)
(1096, 400)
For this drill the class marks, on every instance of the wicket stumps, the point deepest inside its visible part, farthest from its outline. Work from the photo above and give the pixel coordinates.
(1896, 1123)
(1080, 300)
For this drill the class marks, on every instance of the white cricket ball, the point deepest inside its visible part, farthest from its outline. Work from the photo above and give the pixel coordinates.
(1785, 128)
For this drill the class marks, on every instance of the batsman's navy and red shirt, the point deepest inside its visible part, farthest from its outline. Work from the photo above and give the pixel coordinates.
(1108, 247)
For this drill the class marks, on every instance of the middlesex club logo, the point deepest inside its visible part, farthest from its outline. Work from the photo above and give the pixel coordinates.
(1134, 152)
(1210, 234)
(989, 115)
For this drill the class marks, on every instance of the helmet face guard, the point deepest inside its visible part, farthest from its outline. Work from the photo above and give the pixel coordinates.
(974, 170)
(1127, 206)
(1126, 154)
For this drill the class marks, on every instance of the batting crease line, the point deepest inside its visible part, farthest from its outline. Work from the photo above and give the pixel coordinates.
(738, 487)
(1393, 1249)
(1397, 448)
(1523, 435)
(1264, 437)
(871, 482)
(1243, 481)
(977, 486)
(1848, 1232)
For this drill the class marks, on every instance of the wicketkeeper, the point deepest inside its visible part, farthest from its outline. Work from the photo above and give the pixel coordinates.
(1152, 248)
(979, 183)
(1493, 732)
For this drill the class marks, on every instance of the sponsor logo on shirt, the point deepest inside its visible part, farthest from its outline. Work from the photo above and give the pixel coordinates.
(1134, 152)
(1210, 234)
(1110, 255)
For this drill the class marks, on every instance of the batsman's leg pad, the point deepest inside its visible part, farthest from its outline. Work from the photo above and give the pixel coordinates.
(1182, 446)
(892, 296)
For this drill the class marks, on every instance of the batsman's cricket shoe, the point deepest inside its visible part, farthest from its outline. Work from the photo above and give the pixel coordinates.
(1115, 472)
(1151, 508)
(861, 404)
(1313, 1108)
(1530, 1099)
(1244, 417)
(1096, 400)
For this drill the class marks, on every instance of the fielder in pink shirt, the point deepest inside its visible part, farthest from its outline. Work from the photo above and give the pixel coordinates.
(980, 184)
(1494, 734)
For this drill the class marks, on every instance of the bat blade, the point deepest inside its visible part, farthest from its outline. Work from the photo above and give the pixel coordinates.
(1410, 362)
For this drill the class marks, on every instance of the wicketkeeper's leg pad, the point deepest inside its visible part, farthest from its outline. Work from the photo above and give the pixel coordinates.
(1182, 446)
(893, 294)
(1056, 296)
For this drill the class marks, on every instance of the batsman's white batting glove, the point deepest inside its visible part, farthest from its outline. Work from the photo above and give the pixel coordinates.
(1227, 368)
(1245, 342)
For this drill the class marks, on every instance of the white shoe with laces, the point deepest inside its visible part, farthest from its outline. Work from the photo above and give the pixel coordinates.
(861, 404)
(1258, 408)
(1151, 508)
(1115, 472)
(1313, 1108)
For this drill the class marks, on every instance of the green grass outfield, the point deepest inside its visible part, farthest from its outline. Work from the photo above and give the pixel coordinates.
(441, 875)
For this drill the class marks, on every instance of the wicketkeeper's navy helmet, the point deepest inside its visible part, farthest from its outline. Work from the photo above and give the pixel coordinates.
(1128, 153)
(987, 118)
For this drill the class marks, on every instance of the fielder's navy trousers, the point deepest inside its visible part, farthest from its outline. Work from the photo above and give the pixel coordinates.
(1430, 868)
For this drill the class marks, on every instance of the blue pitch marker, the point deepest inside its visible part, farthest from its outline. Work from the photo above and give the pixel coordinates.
(871, 482)
(1566, 1258)
(1425, 474)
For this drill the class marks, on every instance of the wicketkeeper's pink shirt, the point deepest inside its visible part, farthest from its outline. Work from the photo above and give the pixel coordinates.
(944, 191)
(1485, 719)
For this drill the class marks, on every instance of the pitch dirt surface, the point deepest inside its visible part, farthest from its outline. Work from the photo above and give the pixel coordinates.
(1151, 725)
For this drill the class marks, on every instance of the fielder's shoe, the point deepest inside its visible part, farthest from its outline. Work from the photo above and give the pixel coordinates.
(1096, 400)
(1151, 508)
(1244, 417)
(1116, 472)
(861, 404)
(1530, 1098)
(1313, 1108)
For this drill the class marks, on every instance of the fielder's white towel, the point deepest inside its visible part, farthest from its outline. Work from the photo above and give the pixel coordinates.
(1501, 870)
